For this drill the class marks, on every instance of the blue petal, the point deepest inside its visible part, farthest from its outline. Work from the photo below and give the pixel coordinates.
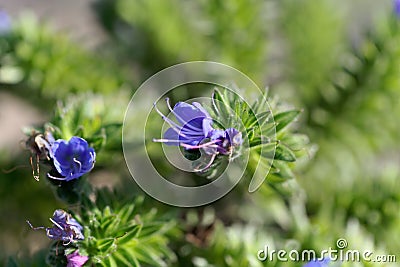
(78, 141)
(397, 7)
(174, 137)
(189, 129)
(60, 216)
(185, 112)
(62, 157)
(73, 222)
(318, 263)
(200, 107)
(234, 136)
(195, 124)
(171, 134)
(207, 126)
(217, 134)
(192, 139)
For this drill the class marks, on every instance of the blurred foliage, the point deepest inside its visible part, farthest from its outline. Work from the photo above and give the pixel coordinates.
(35, 61)
(94, 117)
(313, 42)
(342, 185)
(232, 33)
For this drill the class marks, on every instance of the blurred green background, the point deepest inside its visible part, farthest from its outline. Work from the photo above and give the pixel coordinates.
(338, 61)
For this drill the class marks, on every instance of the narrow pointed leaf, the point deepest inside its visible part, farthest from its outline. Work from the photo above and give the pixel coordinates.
(284, 118)
(284, 153)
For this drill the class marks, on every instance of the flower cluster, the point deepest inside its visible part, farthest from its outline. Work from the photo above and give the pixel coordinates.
(65, 228)
(69, 160)
(194, 131)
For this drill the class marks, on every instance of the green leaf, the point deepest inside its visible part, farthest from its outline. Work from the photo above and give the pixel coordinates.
(131, 233)
(295, 141)
(263, 117)
(109, 262)
(124, 261)
(267, 146)
(220, 104)
(148, 256)
(130, 255)
(105, 244)
(284, 118)
(269, 130)
(126, 213)
(282, 170)
(284, 153)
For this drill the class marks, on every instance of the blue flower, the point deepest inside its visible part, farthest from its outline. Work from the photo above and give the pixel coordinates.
(193, 130)
(72, 159)
(65, 228)
(193, 125)
(224, 141)
(397, 7)
(5, 22)
(76, 260)
(318, 263)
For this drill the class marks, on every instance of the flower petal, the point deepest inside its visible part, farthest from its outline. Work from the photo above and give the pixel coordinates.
(76, 260)
(186, 112)
(207, 126)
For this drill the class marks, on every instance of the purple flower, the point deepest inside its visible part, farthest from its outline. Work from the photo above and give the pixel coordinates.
(65, 228)
(192, 127)
(318, 263)
(5, 22)
(396, 4)
(224, 141)
(76, 260)
(194, 131)
(72, 159)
